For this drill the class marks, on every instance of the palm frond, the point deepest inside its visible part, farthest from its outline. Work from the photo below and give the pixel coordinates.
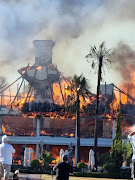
(93, 65)
(95, 55)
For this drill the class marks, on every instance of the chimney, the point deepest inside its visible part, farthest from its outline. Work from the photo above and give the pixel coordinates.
(43, 52)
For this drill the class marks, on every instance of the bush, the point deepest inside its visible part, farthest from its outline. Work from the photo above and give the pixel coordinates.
(118, 175)
(122, 174)
(129, 152)
(117, 147)
(103, 158)
(81, 165)
(46, 158)
(35, 163)
(110, 160)
(110, 167)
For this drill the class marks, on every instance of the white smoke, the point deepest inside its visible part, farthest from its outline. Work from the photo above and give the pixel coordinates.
(72, 24)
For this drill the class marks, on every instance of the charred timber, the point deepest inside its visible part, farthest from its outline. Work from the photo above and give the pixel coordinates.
(42, 107)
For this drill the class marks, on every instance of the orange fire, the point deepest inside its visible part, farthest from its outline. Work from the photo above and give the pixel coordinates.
(114, 106)
(39, 67)
(3, 129)
(60, 94)
(23, 72)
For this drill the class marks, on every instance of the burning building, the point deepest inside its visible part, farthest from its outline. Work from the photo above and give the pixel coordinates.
(43, 74)
(40, 120)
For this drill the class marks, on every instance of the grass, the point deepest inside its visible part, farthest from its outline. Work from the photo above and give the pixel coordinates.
(49, 177)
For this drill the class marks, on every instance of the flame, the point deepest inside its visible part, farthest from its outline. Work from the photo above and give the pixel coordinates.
(19, 103)
(109, 117)
(72, 135)
(25, 69)
(3, 129)
(39, 67)
(58, 98)
(84, 101)
(5, 132)
(43, 132)
(123, 99)
(23, 72)
(115, 105)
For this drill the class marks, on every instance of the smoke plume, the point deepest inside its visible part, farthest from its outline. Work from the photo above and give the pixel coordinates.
(72, 24)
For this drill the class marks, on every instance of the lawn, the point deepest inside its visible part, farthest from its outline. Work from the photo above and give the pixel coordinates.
(48, 177)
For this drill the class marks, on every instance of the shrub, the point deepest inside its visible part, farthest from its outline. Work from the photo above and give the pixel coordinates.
(103, 158)
(81, 165)
(46, 158)
(119, 175)
(110, 160)
(109, 166)
(35, 163)
(129, 152)
(116, 149)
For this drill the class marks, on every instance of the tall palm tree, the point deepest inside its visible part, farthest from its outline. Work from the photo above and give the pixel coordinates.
(99, 57)
(78, 88)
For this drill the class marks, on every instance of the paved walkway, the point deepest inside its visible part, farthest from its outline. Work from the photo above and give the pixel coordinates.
(49, 177)
(31, 176)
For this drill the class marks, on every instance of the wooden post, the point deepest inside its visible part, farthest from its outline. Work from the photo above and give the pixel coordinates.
(1, 98)
(0, 125)
(120, 98)
(24, 89)
(105, 88)
(17, 91)
(127, 93)
(10, 95)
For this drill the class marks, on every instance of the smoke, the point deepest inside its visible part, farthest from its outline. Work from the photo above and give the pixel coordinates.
(23, 21)
(124, 57)
(122, 10)
(72, 24)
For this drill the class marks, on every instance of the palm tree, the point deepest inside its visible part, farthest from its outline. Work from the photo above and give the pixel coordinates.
(78, 87)
(46, 158)
(99, 57)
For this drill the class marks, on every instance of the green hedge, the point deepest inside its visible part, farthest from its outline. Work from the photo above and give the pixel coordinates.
(35, 163)
(81, 165)
(32, 171)
(121, 175)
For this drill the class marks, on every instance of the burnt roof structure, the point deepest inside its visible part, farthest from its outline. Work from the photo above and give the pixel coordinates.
(43, 73)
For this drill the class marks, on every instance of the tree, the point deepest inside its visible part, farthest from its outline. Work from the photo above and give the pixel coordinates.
(78, 88)
(117, 147)
(98, 57)
(129, 151)
(46, 158)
